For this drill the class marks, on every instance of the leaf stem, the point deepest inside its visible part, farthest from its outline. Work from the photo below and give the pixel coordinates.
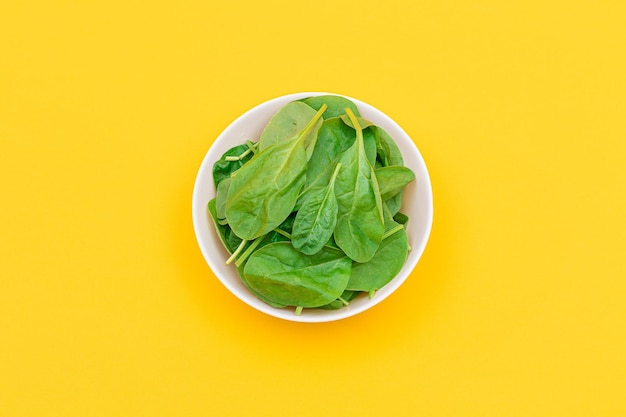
(249, 251)
(345, 303)
(334, 176)
(356, 125)
(251, 148)
(372, 293)
(236, 252)
(298, 310)
(304, 132)
(392, 231)
(283, 233)
(353, 119)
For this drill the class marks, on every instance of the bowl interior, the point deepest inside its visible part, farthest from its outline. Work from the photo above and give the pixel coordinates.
(417, 204)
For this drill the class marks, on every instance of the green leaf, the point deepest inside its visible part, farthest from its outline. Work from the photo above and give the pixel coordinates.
(333, 138)
(285, 276)
(360, 225)
(388, 151)
(369, 144)
(271, 303)
(264, 191)
(362, 122)
(286, 123)
(394, 204)
(316, 219)
(384, 265)
(336, 105)
(392, 179)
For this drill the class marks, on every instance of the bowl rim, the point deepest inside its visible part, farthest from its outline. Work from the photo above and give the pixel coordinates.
(204, 174)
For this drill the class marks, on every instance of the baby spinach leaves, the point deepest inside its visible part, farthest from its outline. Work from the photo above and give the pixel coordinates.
(310, 212)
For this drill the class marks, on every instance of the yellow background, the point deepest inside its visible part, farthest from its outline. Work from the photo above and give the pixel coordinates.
(517, 307)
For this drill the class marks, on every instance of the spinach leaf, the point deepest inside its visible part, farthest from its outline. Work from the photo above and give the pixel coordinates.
(369, 143)
(286, 123)
(388, 150)
(336, 105)
(258, 295)
(360, 225)
(224, 167)
(316, 219)
(285, 276)
(386, 263)
(392, 179)
(264, 191)
(333, 138)
(394, 204)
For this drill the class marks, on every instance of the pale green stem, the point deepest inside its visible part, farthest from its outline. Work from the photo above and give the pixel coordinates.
(304, 132)
(345, 303)
(236, 252)
(372, 293)
(251, 148)
(354, 120)
(334, 176)
(298, 310)
(355, 123)
(392, 231)
(282, 232)
(249, 251)
(237, 158)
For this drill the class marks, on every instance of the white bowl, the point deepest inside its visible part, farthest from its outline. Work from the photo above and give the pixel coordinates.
(417, 204)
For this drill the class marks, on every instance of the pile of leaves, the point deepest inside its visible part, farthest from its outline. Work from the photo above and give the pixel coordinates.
(310, 212)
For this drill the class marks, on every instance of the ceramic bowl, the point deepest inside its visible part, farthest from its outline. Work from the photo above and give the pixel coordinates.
(417, 204)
